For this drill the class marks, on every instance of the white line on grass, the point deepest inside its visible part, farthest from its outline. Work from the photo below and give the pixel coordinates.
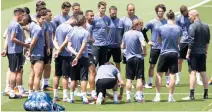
(207, 107)
(207, 6)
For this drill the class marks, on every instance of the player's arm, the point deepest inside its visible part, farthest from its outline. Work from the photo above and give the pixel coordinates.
(55, 43)
(143, 43)
(123, 46)
(63, 45)
(144, 31)
(191, 37)
(32, 45)
(4, 52)
(71, 49)
(15, 40)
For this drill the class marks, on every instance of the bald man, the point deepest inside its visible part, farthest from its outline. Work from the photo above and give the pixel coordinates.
(199, 36)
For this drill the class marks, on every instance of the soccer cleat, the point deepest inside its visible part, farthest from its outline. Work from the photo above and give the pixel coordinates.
(171, 99)
(188, 98)
(205, 96)
(66, 99)
(148, 86)
(47, 88)
(15, 97)
(177, 82)
(72, 101)
(156, 99)
(56, 99)
(128, 101)
(99, 99)
(199, 83)
(116, 102)
(167, 85)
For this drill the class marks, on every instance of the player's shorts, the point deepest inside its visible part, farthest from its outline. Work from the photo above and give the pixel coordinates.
(168, 61)
(103, 84)
(91, 59)
(100, 54)
(135, 68)
(183, 50)
(47, 58)
(63, 66)
(15, 61)
(154, 55)
(116, 53)
(198, 62)
(34, 59)
(80, 71)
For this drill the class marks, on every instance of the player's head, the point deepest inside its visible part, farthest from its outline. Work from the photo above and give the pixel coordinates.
(18, 13)
(40, 8)
(48, 15)
(102, 7)
(41, 17)
(40, 3)
(137, 24)
(89, 15)
(26, 20)
(130, 9)
(78, 13)
(65, 8)
(73, 20)
(81, 20)
(184, 10)
(113, 12)
(75, 7)
(26, 10)
(160, 9)
(170, 15)
(193, 15)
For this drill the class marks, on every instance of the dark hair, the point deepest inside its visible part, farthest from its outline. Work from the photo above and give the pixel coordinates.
(40, 3)
(41, 13)
(183, 8)
(170, 15)
(65, 5)
(130, 4)
(48, 10)
(160, 6)
(102, 3)
(81, 20)
(40, 8)
(112, 8)
(78, 13)
(26, 10)
(87, 11)
(109, 63)
(75, 4)
(18, 10)
(28, 17)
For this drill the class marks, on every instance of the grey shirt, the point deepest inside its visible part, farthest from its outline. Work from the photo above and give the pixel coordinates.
(199, 37)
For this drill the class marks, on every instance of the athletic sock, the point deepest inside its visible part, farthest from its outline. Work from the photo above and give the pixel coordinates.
(46, 82)
(84, 97)
(20, 89)
(55, 92)
(65, 93)
(115, 96)
(170, 95)
(178, 76)
(72, 95)
(150, 80)
(157, 94)
(205, 92)
(128, 94)
(93, 93)
(191, 92)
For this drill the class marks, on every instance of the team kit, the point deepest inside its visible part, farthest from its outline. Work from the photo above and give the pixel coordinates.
(81, 45)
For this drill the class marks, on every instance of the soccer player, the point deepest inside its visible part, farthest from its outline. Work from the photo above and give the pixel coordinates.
(36, 52)
(92, 69)
(100, 32)
(78, 39)
(134, 43)
(15, 46)
(62, 58)
(197, 52)
(114, 39)
(48, 54)
(169, 35)
(75, 7)
(63, 17)
(184, 22)
(38, 9)
(26, 10)
(40, 3)
(108, 77)
(153, 25)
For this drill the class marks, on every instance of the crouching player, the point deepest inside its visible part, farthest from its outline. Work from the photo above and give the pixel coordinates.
(134, 43)
(108, 77)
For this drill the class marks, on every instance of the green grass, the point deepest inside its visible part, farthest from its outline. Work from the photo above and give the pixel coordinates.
(145, 10)
(5, 4)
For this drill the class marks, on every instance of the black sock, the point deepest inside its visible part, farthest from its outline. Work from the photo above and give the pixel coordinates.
(191, 92)
(205, 92)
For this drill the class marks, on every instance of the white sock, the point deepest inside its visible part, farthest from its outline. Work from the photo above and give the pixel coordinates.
(93, 93)
(150, 79)
(198, 77)
(84, 96)
(55, 92)
(128, 94)
(76, 90)
(46, 81)
(115, 95)
(138, 93)
(65, 93)
(178, 76)
(20, 89)
(69, 79)
(167, 79)
(157, 94)
(170, 95)
(72, 95)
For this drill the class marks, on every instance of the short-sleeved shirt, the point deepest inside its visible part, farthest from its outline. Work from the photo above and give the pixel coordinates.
(61, 34)
(51, 30)
(107, 71)
(170, 34)
(184, 23)
(78, 36)
(153, 25)
(114, 36)
(15, 27)
(100, 30)
(89, 45)
(59, 19)
(132, 40)
(37, 32)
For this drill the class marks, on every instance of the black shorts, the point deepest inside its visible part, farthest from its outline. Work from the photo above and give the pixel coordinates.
(198, 62)
(63, 66)
(91, 59)
(116, 53)
(15, 62)
(103, 84)
(34, 59)
(124, 60)
(168, 61)
(183, 50)
(135, 68)
(47, 58)
(154, 55)
(100, 54)
(80, 71)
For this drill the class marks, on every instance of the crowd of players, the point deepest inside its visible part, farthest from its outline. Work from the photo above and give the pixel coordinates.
(84, 43)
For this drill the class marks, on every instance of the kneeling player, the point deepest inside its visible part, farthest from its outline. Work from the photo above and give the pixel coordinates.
(133, 41)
